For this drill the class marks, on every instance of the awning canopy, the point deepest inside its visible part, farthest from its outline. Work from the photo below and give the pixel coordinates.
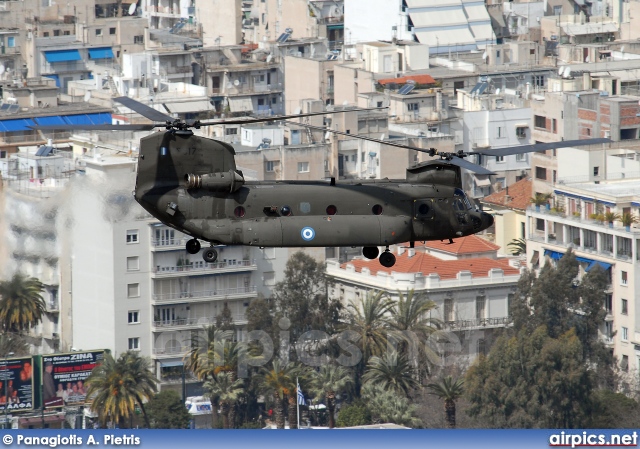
(101, 53)
(482, 180)
(240, 104)
(418, 79)
(171, 364)
(522, 125)
(555, 255)
(62, 56)
(190, 107)
(19, 124)
(591, 263)
(53, 120)
(605, 266)
(54, 77)
(88, 119)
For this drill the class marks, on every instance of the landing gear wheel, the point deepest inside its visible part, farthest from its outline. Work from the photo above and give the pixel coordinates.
(387, 259)
(193, 246)
(210, 255)
(370, 252)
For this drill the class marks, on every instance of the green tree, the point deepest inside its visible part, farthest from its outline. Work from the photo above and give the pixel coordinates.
(227, 390)
(614, 411)
(166, 411)
(387, 407)
(276, 381)
(328, 381)
(21, 303)
(517, 246)
(118, 386)
(224, 321)
(355, 414)
(449, 391)
(532, 380)
(393, 372)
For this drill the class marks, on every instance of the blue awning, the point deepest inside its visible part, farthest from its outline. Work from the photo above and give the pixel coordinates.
(605, 266)
(553, 254)
(47, 121)
(88, 119)
(54, 77)
(20, 124)
(101, 53)
(573, 195)
(62, 55)
(635, 204)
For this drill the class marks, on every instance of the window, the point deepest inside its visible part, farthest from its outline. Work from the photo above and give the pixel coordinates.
(448, 309)
(271, 166)
(112, 31)
(538, 80)
(231, 131)
(56, 32)
(541, 173)
(67, 33)
(303, 167)
(608, 303)
(521, 157)
(539, 224)
(500, 132)
(554, 126)
(540, 121)
(499, 158)
(625, 333)
(623, 277)
(138, 39)
(557, 10)
(413, 106)
(133, 290)
(134, 317)
(521, 132)
(11, 42)
(596, 171)
(132, 236)
(624, 364)
(134, 344)
(133, 263)
(501, 181)
(98, 31)
(45, 34)
(270, 278)
(625, 307)
(480, 307)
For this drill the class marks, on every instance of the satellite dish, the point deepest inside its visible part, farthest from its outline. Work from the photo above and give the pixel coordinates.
(269, 58)
(485, 55)
(236, 83)
(132, 9)
(560, 71)
(345, 103)
(2, 69)
(498, 91)
(298, 111)
(622, 49)
(87, 96)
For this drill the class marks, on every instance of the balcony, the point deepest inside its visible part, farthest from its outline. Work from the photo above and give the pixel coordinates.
(53, 306)
(193, 323)
(204, 296)
(169, 244)
(479, 323)
(204, 269)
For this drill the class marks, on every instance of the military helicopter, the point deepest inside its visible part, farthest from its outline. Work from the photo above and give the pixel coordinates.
(191, 183)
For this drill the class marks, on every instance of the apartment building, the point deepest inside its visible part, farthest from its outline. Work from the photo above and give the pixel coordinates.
(614, 247)
(471, 291)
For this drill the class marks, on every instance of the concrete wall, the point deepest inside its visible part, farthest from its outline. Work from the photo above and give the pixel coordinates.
(220, 19)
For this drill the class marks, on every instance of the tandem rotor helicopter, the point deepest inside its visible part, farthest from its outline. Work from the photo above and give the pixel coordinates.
(191, 184)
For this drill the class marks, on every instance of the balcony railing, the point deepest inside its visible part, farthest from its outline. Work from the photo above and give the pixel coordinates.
(205, 294)
(201, 321)
(203, 268)
(479, 322)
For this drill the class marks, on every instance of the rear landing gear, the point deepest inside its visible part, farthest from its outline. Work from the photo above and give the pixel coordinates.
(370, 252)
(387, 259)
(210, 255)
(193, 246)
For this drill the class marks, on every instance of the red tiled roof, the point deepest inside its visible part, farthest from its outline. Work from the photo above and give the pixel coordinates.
(428, 264)
(470, 244)
(519, 193)
(419, 79)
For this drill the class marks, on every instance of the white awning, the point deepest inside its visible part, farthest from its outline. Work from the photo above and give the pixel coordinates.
(450, 17)
(432, 3)
(240, 104)
(522, 125)
(442, 38)
(482, 180)
(189, 106)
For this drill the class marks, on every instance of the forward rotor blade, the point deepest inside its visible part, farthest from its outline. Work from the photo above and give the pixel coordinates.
(275, 118)
(143, 109)
(541, 147)
(463, 163)
(104, 127)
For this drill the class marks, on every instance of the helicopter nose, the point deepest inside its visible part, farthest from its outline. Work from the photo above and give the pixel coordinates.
(487, 220)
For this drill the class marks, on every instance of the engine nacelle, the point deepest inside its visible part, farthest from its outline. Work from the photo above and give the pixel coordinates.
(229, 181)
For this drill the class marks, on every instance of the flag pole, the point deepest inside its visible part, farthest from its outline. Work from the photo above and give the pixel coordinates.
(297, 400)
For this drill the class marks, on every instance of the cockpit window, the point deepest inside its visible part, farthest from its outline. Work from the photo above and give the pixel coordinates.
(460, 193)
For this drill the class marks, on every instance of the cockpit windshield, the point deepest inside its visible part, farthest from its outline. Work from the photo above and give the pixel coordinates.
(462, 196)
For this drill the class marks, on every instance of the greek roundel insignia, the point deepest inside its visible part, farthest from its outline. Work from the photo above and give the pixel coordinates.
(308, 234)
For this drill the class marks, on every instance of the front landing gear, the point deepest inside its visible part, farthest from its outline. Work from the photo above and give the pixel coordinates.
(193, 246)
(370, 252)
(210, 255)
(387, 259)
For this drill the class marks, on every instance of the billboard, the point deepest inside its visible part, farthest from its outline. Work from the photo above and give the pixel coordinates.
(63, 377)
(16, 384)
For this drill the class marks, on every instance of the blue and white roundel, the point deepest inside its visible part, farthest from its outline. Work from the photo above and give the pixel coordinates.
(308, 234)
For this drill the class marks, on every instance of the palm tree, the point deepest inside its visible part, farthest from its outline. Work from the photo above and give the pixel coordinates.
(278, 381)
(21, 303)
(411, 319)
(117, 386)
(227, 390)
(10, 342)
(393, 372)
(518, 246)
(370, 320)
(326, 383)
(450, 391)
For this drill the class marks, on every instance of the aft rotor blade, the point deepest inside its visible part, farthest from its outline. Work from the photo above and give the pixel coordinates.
(463, 163)
(143, 109)
(275, 118)
(104, 127)
(541, 147)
